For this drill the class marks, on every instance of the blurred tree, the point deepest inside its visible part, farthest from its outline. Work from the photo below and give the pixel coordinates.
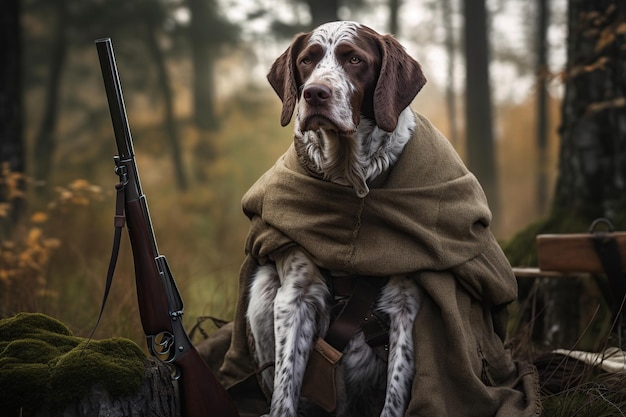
(450, 45)
(45, 142)
(394, 9)
(542, 112)
(75, 24)
(323, 11)
(153, 18)
(480, 142)
(592, 169)
(11, 142)
(207, 34)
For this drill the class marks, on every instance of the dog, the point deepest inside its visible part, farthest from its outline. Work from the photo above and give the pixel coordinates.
(351, 89)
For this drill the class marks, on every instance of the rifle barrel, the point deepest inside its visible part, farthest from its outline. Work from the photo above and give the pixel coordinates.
(117, 107)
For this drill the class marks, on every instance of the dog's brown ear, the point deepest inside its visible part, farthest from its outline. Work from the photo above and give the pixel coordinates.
(282, 78)
(400, 79)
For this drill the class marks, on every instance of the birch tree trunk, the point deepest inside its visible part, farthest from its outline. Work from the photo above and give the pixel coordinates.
(592, 172)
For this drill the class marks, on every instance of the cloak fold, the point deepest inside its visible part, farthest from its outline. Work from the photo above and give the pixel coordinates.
(428, 218)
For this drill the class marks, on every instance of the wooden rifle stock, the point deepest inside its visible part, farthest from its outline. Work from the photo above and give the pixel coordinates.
(199, 389)
(160, 303)
(151, 297)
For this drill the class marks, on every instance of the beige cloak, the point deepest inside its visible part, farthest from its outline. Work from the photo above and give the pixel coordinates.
(427, 217)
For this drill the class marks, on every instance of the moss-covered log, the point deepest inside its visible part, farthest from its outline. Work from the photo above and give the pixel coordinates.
(46, 371)
(155, 397)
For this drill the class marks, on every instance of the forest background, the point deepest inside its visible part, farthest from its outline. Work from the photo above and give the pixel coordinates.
(206, 124)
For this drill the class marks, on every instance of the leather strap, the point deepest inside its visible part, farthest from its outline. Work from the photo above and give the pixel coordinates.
(119, 222)
(354, 313)
(608, 251)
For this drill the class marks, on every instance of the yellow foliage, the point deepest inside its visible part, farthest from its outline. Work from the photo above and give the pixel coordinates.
(47, 293)
(25, 255)
(34, 236)
(5, 208)
(52, 243)
(79, 184)
(10, 182)
(39, 217)
(79, 192)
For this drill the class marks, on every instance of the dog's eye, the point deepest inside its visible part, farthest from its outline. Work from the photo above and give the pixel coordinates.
(355, 60)
(306, 61)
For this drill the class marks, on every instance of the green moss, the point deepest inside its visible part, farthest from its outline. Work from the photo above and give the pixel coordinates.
(27, 324)
(43, 364)
(115, 363)
(22, 386)
(27, 351)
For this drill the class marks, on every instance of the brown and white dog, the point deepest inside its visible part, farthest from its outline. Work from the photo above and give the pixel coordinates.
(351, 88)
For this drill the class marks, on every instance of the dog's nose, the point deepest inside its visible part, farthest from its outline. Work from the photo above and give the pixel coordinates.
(316, 94)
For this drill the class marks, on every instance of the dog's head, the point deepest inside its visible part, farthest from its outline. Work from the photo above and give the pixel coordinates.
(342, 71)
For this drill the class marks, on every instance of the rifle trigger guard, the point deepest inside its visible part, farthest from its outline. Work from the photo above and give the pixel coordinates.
(162, 346)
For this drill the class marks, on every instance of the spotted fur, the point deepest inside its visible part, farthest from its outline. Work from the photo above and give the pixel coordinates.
(350, 88)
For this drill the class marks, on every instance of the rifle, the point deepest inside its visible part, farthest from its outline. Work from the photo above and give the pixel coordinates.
(160, 303)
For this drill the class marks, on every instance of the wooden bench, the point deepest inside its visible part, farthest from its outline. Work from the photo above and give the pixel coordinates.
(579, 256)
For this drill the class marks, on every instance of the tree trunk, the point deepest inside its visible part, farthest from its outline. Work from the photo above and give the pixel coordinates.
(11, 144)
(168, 100)
(45, 141)
(11, 141)
(543, 119)
(203, 54)
(592, 160)
(156, 398)
(394, 8)
(592, 170)
(480, 143)
(453, 135)
(323, 11)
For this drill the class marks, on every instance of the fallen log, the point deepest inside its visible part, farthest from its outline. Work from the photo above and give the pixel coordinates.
(156, 398)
